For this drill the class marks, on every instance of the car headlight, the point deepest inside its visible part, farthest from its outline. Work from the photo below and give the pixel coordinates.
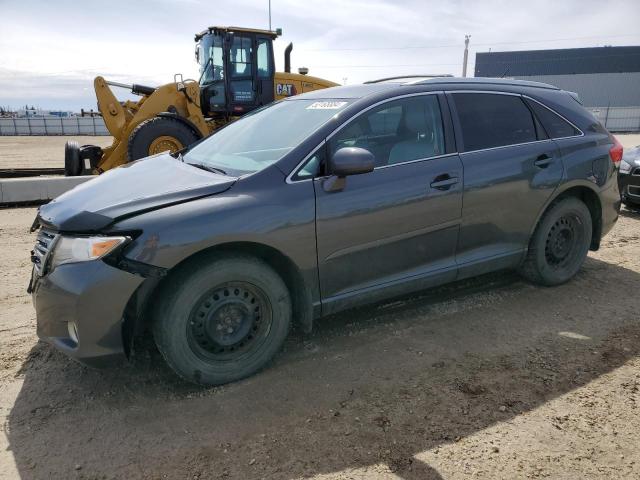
(625, 167)
(82, 249)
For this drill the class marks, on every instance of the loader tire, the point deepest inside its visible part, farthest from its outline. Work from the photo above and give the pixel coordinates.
(72, 162)
(159, 134)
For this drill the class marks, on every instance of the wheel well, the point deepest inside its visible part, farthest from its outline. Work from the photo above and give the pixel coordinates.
(591, 200)
(283, 265)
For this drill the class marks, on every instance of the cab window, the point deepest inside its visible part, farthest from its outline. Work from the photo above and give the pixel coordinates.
(241, 53)
(264, 56)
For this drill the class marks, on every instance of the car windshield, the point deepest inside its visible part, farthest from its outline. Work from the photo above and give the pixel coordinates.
(263, 137)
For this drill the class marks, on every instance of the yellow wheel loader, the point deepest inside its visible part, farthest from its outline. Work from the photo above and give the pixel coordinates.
(237, 75)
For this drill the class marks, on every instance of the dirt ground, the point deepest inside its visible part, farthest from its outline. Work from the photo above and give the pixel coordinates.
(41, 152)
(490, 378)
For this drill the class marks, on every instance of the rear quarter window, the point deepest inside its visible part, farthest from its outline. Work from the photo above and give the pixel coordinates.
(492, 120)
(555, 126)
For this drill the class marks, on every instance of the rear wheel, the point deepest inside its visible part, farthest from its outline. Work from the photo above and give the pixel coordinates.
(559, 244)
(222, 321)
(157, 135)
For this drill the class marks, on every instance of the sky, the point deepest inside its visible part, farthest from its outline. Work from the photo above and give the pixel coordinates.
(50, 51)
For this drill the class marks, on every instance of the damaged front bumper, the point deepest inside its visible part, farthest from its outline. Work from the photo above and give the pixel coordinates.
(80, 309)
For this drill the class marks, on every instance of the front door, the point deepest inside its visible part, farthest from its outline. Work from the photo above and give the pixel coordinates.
(388, 231)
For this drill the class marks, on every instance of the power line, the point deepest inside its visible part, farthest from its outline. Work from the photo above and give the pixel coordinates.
(457, 45)
(390, 66)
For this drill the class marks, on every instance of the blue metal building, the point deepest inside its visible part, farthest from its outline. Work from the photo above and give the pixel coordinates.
(606, 78)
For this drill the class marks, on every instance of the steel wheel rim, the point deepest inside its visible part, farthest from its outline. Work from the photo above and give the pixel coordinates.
(562, 242)
(229, 322)
(164, 143)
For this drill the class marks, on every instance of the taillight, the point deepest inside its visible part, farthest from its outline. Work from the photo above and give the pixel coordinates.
(615, 152)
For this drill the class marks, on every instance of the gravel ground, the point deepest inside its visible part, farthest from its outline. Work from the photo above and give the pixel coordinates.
(489, 378)
(41, 152)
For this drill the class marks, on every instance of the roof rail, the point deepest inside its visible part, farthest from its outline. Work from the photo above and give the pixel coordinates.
(486, 81)
(400, 77)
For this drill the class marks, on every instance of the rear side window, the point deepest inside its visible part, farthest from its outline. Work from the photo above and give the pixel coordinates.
(556, 126)
(490, 120)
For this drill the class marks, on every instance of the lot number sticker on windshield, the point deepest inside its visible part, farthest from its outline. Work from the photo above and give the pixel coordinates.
(326, 105)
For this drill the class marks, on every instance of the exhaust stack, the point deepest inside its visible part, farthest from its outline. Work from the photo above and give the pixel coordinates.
(287, 58)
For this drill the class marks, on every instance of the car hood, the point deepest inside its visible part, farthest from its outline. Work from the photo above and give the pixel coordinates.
(632, 156)
(141, 186)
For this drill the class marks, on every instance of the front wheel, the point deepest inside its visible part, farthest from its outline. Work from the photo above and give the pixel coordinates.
(222, 321)
(559, 244)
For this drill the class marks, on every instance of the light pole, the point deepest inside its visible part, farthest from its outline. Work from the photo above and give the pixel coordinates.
(466, 54)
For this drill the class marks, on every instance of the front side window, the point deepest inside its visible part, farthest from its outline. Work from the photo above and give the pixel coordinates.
(312, 166)
(396, 132)
(492, 120)
(261, 138)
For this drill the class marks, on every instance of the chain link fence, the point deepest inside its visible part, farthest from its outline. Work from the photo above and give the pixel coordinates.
(615, 119)
(53, 126)
(618, 119)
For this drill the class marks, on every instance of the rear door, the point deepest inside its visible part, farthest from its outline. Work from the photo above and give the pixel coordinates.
(395, 229)
(511, 169)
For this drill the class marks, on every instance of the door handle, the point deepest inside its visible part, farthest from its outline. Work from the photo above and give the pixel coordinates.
(543, 161)
(444, 182)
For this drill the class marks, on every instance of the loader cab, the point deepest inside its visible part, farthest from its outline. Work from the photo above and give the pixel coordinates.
(236, 70)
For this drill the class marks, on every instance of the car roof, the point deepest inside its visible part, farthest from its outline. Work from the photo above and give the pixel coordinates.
(432, 83)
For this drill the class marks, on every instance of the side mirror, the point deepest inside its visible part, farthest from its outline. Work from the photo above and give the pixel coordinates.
(351, 161)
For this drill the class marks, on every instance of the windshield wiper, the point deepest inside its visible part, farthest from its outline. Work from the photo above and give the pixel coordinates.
(208, 168)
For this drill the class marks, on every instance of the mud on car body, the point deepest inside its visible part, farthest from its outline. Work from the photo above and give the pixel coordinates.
(316, 204)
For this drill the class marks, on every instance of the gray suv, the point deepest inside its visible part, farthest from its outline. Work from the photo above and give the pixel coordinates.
(316, 204)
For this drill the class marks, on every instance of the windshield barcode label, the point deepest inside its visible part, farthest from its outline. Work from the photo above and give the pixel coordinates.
(326, 105)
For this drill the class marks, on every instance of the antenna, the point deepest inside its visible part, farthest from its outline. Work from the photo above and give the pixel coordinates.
(269, 14)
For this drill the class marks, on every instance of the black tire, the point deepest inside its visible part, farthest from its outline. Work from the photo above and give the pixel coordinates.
(72, 162)
(143, 136)
(631, 205)
(559, 244)
(223, 320)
